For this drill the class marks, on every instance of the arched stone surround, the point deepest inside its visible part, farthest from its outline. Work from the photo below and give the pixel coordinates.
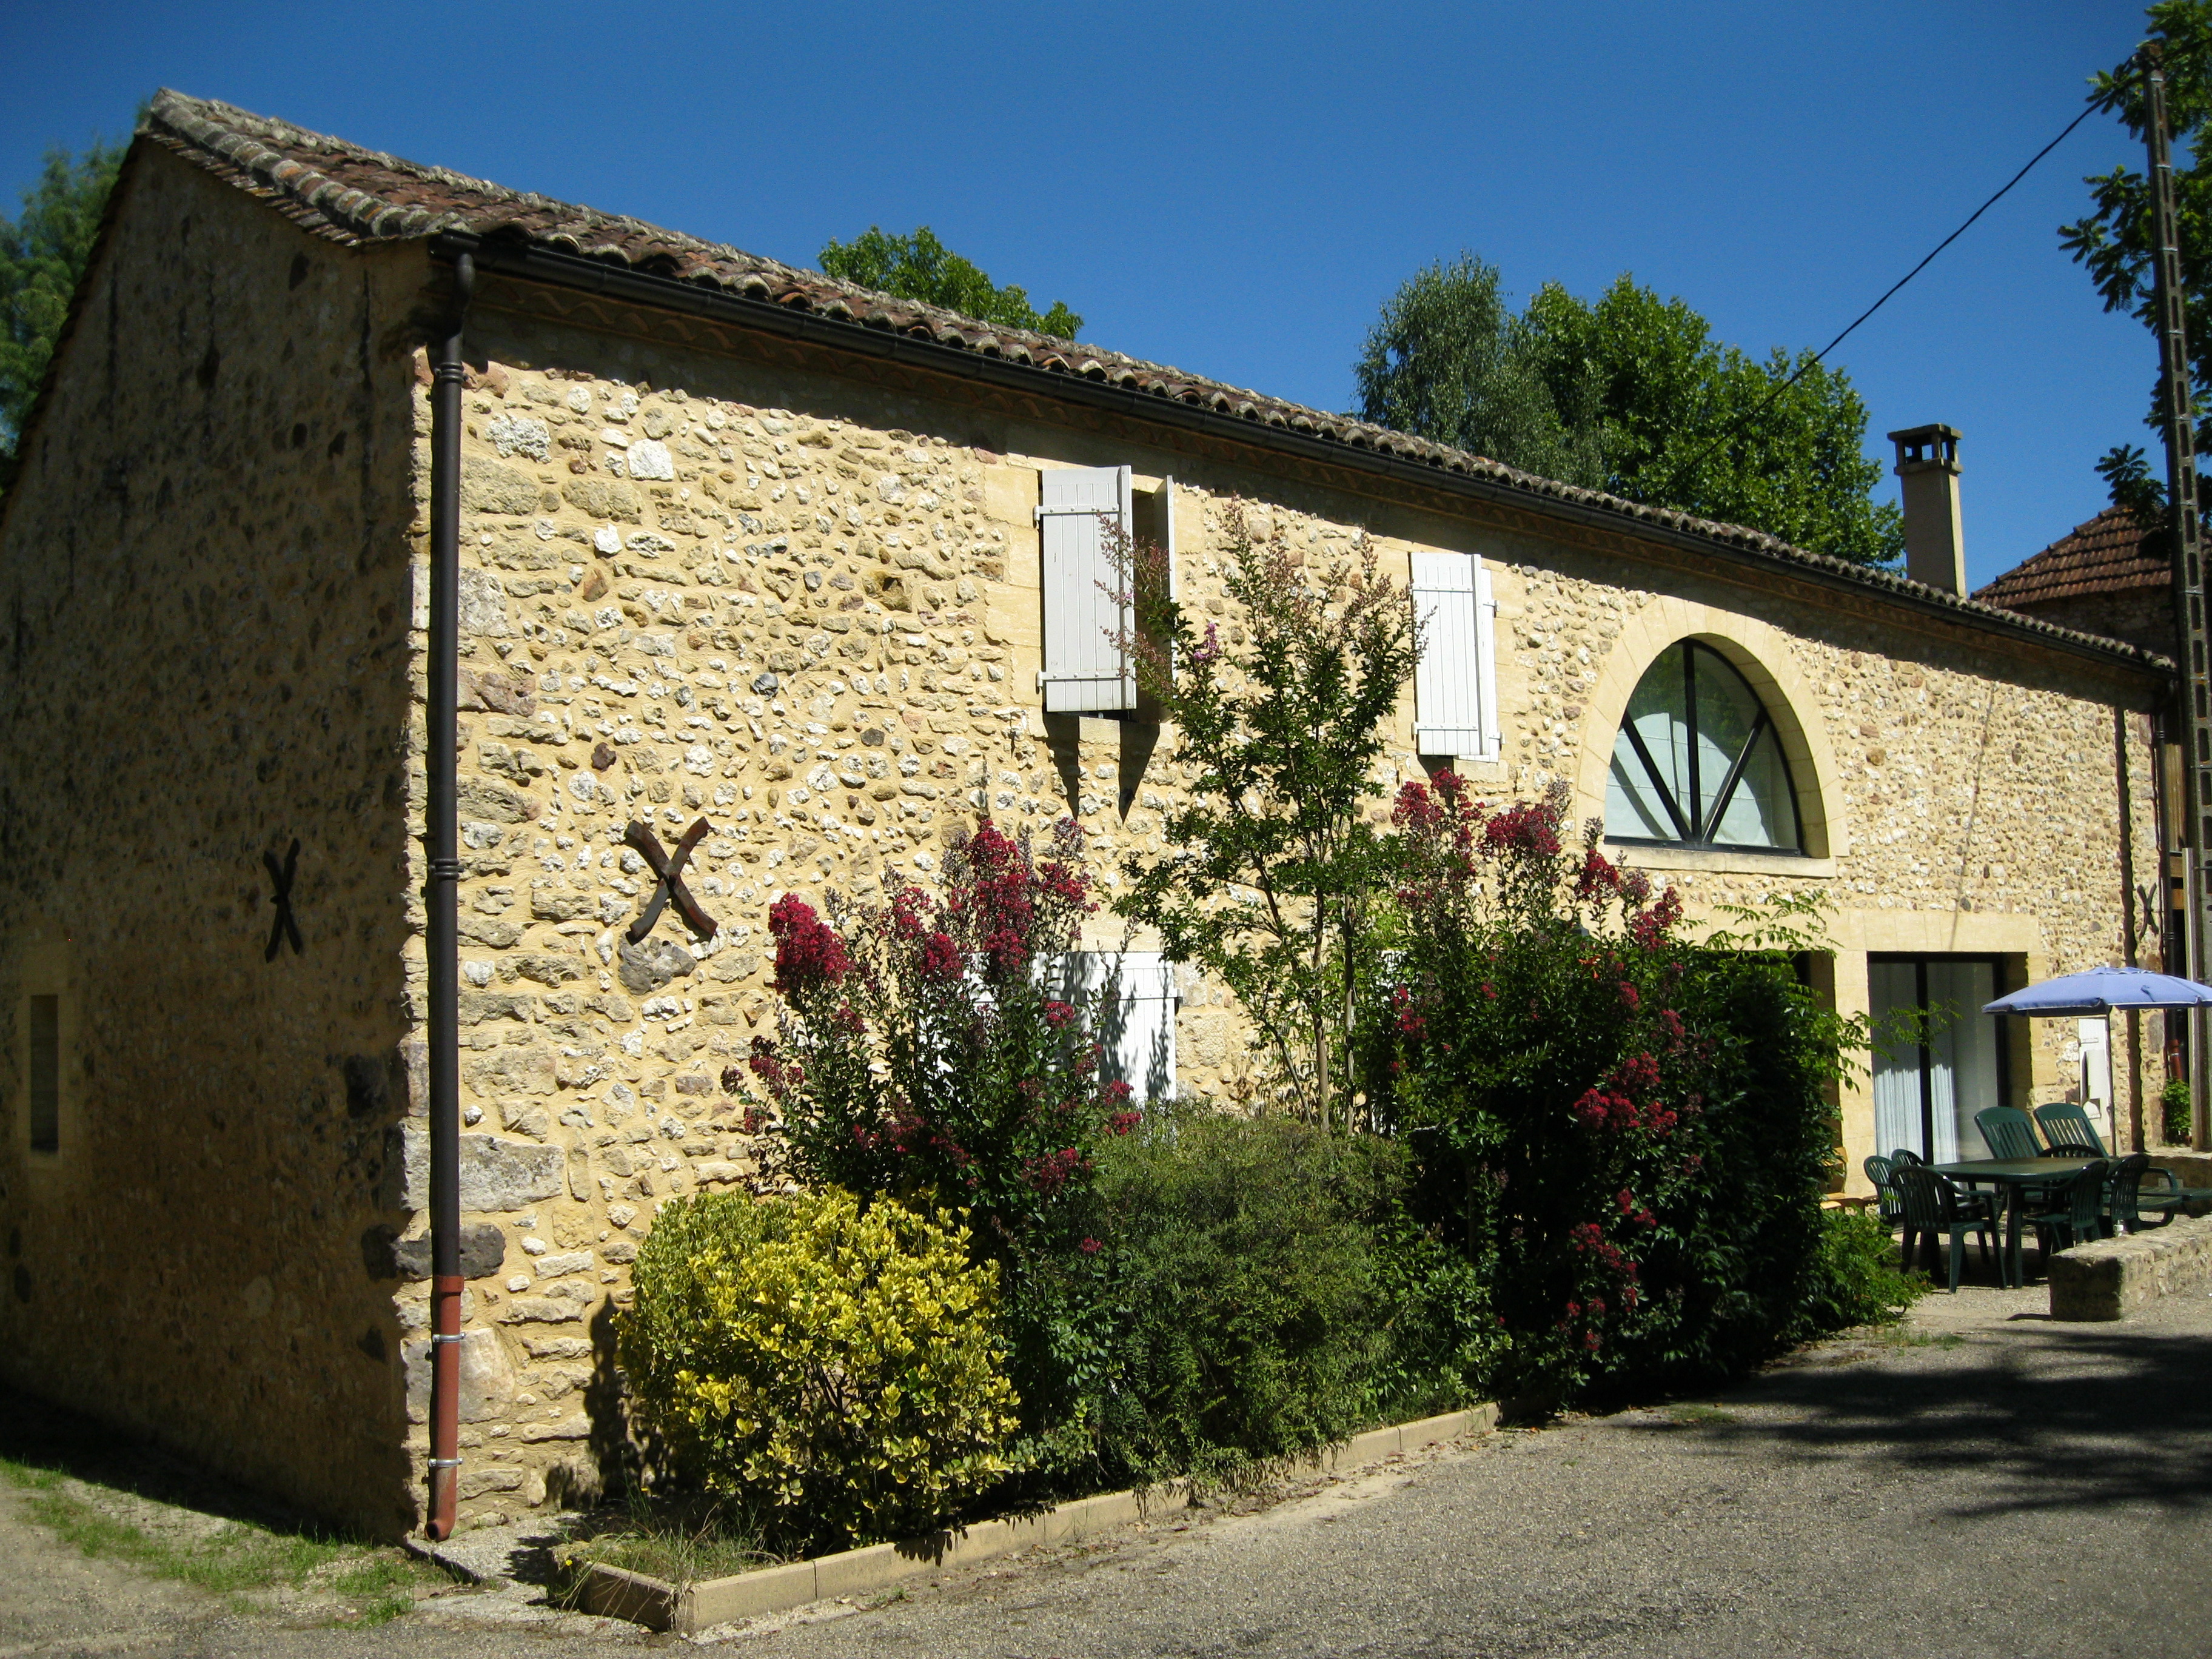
(1766, 658)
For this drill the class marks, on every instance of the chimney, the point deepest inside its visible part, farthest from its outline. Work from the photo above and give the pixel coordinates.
(1934, 547)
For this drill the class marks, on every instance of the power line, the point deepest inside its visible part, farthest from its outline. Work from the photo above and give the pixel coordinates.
(1957, 234)
(1803, 368)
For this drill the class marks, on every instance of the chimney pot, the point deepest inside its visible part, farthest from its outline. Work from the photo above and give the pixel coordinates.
(1927, 474)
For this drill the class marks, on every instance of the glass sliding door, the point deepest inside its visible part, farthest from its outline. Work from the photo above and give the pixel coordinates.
(1947, 1065)
(1898, 1069)
(1963, 1047)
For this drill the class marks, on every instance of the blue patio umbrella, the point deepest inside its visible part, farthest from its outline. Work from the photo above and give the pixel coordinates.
(2101, 990)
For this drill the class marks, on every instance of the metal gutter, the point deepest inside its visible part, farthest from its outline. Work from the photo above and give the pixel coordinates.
(441, 937)
(554, 268)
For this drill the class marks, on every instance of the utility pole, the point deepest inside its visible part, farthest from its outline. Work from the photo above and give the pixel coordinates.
(2192, 657)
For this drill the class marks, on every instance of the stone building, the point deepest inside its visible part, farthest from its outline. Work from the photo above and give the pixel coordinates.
(747, 544)
(2110, 576)
(2114, 576)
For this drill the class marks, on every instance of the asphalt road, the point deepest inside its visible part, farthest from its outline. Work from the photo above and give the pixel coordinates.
(1992, 1484)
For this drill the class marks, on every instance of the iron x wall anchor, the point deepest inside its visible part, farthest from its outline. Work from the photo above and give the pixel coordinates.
(283, 928)
(669, 879)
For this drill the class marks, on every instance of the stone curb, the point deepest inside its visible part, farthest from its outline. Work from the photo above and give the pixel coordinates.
(2110, 1279)
(685, 1609)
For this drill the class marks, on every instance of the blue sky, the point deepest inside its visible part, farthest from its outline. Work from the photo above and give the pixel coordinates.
(1234, 189)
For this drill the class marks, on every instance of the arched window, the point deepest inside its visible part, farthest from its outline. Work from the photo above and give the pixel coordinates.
(1698, 762)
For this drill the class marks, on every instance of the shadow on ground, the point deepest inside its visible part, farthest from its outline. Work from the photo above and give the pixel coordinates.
(2046, 1417)
(43, 1436)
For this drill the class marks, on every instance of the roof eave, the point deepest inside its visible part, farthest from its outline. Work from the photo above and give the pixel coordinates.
(535, 263)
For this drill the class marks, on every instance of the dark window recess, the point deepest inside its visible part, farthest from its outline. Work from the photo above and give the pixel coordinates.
(46, 1074)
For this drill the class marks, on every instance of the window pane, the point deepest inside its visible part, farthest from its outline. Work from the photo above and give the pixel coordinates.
(1727, 711)
(1962, 1048)
(1658, 709)
(1632, 806)
(1892, 986)
(1761, 813)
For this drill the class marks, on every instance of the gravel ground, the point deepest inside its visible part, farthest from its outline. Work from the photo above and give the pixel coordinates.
(1982, 1482)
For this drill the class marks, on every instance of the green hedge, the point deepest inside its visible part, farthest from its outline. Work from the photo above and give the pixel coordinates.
(1255, 1291)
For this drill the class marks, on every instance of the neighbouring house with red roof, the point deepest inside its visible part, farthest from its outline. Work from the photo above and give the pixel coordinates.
(2110, 576)
(741, 546)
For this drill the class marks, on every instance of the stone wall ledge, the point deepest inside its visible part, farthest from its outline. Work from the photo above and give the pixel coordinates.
(2190, 1169)
(685, 1609)
(2111, 1278)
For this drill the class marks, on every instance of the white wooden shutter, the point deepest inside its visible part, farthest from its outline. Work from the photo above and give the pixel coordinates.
(1455, 684)
(1485, 657)
(1136, 1024)
(1086, 670)
(1168, 551)
(2096, 1089)
(1167, 536)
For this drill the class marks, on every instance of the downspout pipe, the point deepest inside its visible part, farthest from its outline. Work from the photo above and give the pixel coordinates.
(441, 835)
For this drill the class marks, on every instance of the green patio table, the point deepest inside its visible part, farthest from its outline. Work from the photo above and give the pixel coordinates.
(2016, 1175)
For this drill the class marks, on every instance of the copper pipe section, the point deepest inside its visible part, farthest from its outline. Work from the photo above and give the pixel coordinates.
(441, 840)
(445, 1402)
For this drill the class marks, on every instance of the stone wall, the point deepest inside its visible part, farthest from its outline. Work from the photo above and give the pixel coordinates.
(2141, 616)
(1968, 801)
(204, 567)
(807, 608)
(2112, 1277)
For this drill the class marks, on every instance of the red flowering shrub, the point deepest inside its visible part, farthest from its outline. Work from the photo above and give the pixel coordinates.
(1627, 1134)
(809, 955)
(923, 1055)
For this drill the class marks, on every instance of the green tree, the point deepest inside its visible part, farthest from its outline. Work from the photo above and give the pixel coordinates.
(2126, 472)
(920, 267)
(1629, 393)
(1276, 871)
(1688, 422)
(2113, 242)
(43, 254)
(1448, 360)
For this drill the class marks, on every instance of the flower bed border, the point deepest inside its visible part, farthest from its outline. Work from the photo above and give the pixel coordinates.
(685, 1609)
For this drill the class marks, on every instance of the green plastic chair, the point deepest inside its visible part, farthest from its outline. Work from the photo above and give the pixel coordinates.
(1933, 1205)
(2079, 1214)
(1887, 1205)
(2008, 1132)
(1971, 1198)
(2125, 1201)
(2066, 1125)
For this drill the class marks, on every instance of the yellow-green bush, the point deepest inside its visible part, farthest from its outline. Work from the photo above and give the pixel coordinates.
(835, 1374)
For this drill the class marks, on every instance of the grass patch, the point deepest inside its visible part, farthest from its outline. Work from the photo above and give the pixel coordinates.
(1901, 1339)
(677, 1546)
(378, 1588)
(234, 1559)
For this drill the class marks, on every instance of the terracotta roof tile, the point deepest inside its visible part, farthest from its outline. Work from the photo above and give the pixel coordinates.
(2112, 553)
(353, 195)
